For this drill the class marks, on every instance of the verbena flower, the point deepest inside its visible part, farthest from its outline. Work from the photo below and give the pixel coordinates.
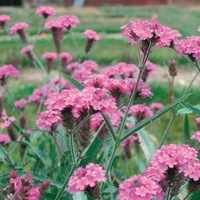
(139, 187)
(65, 58)
(149, 32)
(197, 120)
(4, 19)
(196, 136)
(6, 121)
(9, 71)
(84, 178)
(68, 21)
(45, 11)
(27, 50)
(156, 106)
(4, 138)
(92, 37)
(19, 29)
(49, 57)
(189, 46)
(149, 70)
(20, 104)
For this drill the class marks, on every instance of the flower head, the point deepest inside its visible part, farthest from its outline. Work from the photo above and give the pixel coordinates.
(46, 11)
(4, 138)
(20, 103)
(68, 21)
(49, 56)
(19, 27)
(65, 57)
(92, 35)
(196, 136)
(27, 49)
(156, 106)
(197, 120)
(86, 177)
(9, 71)
(4, 20)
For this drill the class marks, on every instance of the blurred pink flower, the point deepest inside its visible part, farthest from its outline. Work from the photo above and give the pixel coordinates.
(66, 57)
(189, 46)
(196, 136)
(92, 35)
(4, 20)
(4, 138)
(20, 103)
(130, 140)
(9, 71)
(86, 177)
(49, 56)
(19, 27)
(26, 49)
(156, 106)
(46, 11)
(69, 21)
(197, 120)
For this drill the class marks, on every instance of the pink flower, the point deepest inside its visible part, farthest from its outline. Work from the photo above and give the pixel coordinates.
(47, 120)
(46, 11)
(4, 20)
(92, 35)
(17, 183)
(65, 57)
(6, 121)
(140, 111)
(69, 21)
(9, 71)
(198, 123)
(18, 28)
(49, 56)
(156, 106)
(20, 103)
(4, 138)
(86, 177)
(53, 25)
(152, 31)
(33, 194)
(130, 140)
(189, 46)
(192, 170)
(196, 136)
(27, 49)
(139, 187)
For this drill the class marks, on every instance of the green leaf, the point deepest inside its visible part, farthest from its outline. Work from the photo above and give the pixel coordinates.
(108, 124)
(77, 84)
(195, 196)
(80, 196)
(186, 127)
(146, 144)
(149, 120)
(19, 130)
(189, 109)
(92, 152)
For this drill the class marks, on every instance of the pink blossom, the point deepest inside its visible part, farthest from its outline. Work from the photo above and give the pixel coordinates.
(196, 136)
(4, 20)
(139, 187)
(8, 70)
(65, 57)
(192, 170)
(197, 120)
(151, 68)
(20, 103)
(27, 49)
(86, 177)
(69, 21)
(140, 111)
(156, 106)
(4, 138)
(173, 155)
(189, 46)
(33, 194)
(49, 56)
(152, 31)
(46, 11)
(130, 140)
(19, 27)
(48, 119)
(54, 24)
(92, 35)
(6, 121)
(17, 183)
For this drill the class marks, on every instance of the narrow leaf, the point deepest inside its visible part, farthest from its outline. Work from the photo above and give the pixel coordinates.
(194, 110)
(80, 196)
(184, 111)
(186, 127)
(146, 144)
(108, 124)
(149, 120)
(19, 130)
(77, 84)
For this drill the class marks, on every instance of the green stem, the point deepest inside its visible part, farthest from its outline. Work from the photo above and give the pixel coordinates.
(56, 144)
(75, 42)
(168, 196)
(72, 150)
(80, 124)
(61, 191)
(7, 156)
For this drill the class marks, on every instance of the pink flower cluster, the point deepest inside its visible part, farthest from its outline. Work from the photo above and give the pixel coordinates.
(189, 46)
(156, 106)
(196, 136)
(4, 19)
(139, 187)
(20, 104)
(49, 56)
(5, 121)
(87, 177)
(69, 21)
(45, 11)
(27, 49)
(9, 71)
(152, 31)
(65, 57)
(197, 120)
(92, 35)
(130, 140)
(4, 138)
(19, 27)
(23, 187)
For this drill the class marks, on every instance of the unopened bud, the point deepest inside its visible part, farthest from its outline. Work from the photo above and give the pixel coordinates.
(172, 68)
